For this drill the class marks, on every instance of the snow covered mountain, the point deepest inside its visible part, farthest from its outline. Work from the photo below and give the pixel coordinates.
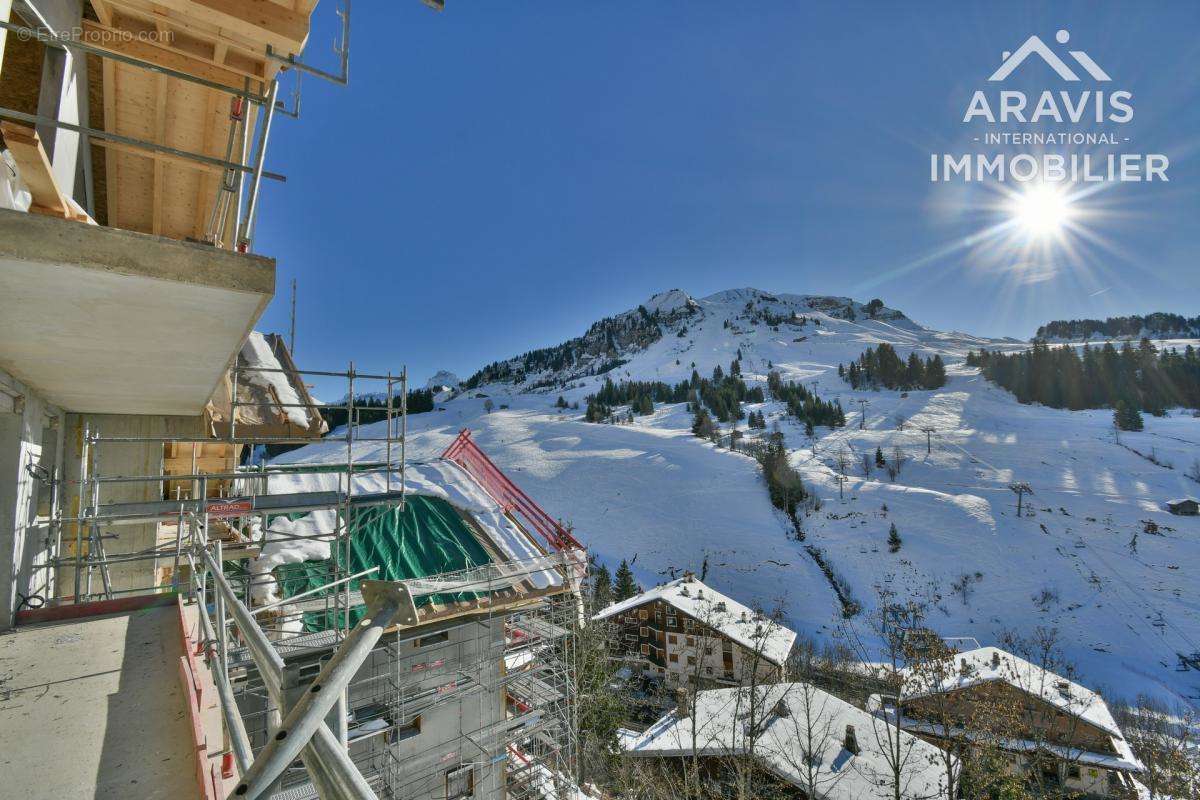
(1094, 554)
(672, 333)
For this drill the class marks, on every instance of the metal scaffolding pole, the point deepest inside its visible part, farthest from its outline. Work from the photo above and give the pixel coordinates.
(387, 602)
(327, 762)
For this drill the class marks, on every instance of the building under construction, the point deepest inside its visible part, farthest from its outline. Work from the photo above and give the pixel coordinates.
(184, 616)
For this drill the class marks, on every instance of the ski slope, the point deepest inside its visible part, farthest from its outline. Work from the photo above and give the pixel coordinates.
(651, 493)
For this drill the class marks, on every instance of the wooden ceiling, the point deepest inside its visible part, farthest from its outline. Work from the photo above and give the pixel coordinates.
(223, 41)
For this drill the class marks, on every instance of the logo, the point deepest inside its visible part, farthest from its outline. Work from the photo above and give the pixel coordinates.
(1089, 114)
(1035, 46)
(223, 509)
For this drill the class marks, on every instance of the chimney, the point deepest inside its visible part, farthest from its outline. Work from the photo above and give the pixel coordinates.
(851, 741)
(743, 616)
(782, 709)
(963, 667)
(995, 659)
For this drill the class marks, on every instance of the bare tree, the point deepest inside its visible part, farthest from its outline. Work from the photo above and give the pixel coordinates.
(810, 725)
(842, 460)
(1044, 726)
(1165, 740)
(898, 627)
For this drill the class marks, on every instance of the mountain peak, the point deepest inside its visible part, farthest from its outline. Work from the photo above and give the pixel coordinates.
(669, 301)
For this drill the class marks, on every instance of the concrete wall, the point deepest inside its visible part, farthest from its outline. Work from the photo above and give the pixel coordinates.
(28, 438)
(402, 680)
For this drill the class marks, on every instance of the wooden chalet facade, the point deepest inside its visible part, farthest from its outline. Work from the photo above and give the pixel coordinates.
(1066, 739)
(688, 633)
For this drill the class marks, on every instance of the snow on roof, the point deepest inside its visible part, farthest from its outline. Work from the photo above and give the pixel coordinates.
(785, 712)
(722, 613)
(290, 541)
(988, 664)
(1179, 500)
(257, 352)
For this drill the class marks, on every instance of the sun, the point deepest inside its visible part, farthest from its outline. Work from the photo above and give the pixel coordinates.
(1041, 210)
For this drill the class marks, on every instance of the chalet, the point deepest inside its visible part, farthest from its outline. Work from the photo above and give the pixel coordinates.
(1184, 506)
(688, 632)
(813, 744)
(1068, 735)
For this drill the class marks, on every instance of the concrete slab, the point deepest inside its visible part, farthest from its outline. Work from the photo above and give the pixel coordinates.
(102, 320)
(95, 708)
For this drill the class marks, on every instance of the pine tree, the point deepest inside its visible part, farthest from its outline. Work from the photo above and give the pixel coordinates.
(808, 428)
(561, 402)
(624, 586)
(879, 460)
(1127, 417)
(935, 373)
(602, 587)
(702, 424)
(894, 540)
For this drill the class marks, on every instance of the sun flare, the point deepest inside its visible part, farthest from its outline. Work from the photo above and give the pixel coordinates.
(1041, 210)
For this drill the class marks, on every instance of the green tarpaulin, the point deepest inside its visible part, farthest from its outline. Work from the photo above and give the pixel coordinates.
(428, 537)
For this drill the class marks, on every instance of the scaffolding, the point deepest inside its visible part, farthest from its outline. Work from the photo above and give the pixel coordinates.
(487, 693)
(476, 693)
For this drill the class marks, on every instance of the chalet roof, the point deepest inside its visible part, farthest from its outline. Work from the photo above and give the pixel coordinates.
(991, 664)
(721, 728)
(724, 614)
(1180, 500)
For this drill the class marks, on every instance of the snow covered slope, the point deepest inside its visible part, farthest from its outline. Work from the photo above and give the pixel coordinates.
(650, 491)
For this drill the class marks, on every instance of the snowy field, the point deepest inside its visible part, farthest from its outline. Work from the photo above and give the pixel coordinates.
(652, 493)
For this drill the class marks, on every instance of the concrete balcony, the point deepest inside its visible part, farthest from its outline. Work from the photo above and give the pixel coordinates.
(101, 320)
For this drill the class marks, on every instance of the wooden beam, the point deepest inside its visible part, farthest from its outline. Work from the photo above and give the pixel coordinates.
(110, 154)
(103, 12)
(262, 21)
(160, 136)
(203, 195)
(125, 42)
(36, 172)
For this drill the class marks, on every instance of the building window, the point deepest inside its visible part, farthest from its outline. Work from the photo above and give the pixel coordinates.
(1073, 771)
(409, 729)
(1114, 780)
(691, 661)
(674, 658)
(708, 670)
(643, 614)
(691, 641)
(460, 782)
(433, 638)
(672, 639)
(672, 621)
(643, 631)
(645, 649)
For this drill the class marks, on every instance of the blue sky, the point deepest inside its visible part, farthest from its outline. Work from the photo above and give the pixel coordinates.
(498, 176)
